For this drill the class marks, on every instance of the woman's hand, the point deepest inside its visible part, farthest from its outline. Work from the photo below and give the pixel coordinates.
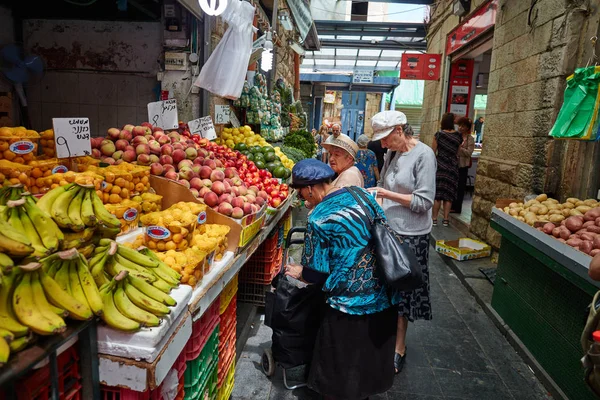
(380, 192)
(294, 270)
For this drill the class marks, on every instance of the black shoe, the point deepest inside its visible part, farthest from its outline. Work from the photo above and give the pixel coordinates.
(399, 362)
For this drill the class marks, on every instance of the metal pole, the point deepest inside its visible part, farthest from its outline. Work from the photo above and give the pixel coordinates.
(54, 394)
(206, 45)
(88, 358)
(273, 72)
(382, 103)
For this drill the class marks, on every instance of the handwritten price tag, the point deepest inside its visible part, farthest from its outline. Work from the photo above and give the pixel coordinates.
(222, 114)
(195, 126)
(235, 122)
(163, 114)
(72, 137)
(207, 129)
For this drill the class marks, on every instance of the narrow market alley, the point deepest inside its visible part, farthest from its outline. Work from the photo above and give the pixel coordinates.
(460, 354)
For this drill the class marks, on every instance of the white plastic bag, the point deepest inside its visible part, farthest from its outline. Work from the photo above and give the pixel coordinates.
(170, 385)
(225, 71)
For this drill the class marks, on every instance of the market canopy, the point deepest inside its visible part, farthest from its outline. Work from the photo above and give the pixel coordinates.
(362, 45)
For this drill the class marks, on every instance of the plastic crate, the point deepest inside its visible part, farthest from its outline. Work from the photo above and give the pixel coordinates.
(208, 389)
(201, 330)
(224, 391)
(261, 271)
(197, 368)
(230, 313)
(37, 385)
(287, 224)
(226, 354)
(228, 293)
(252, 293)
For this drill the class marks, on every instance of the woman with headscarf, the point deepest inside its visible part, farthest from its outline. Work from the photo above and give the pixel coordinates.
(352, 357)
(407, 189)
(366, 162)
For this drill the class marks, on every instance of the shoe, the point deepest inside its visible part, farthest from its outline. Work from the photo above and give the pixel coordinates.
(435, 222)
(399, 361)
(445, 222)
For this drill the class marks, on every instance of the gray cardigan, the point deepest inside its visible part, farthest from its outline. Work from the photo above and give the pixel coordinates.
(410, 173)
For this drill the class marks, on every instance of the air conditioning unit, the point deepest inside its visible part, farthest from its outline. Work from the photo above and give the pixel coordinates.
(461, 8)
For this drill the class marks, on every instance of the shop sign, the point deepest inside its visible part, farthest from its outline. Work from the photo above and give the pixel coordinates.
(461, 77)
(362, 77)
(423, 67)
(477, 24)
(222, 114)
(72, 137)
(329, 97)
(302, 16)
(163, 114)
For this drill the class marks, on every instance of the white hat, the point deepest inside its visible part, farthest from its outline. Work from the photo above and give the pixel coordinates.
(383, 123)
(343, 142)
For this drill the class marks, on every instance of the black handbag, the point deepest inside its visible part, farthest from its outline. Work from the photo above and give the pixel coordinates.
(397, 263)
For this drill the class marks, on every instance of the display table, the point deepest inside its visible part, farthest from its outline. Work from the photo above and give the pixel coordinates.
(542, 292)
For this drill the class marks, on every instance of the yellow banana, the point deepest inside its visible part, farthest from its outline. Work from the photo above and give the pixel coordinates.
(32, 233)
(86, 250)
(48, 199)
(76, 288)
(45, 308)
(7, 335)
(59, 297)
(4, 351)
(49, 232)
(60, 207)
(20, 343)
(136, 257)
(8, 319)
(6, 263)
(131, 311)
(151, 291)
(87, 210)
(14, 219)
(89, 287)
(111, 314)
(144, 302)
(13, 242)
(62, 277)
(102, 213)
(97, 269)
(26, 310)
(114, 268)
(74, 211)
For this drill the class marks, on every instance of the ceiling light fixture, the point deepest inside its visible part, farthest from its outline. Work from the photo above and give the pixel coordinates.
(210, 6)
(285, 20)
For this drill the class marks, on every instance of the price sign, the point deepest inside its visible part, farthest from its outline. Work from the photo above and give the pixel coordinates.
(207, 129)
(235, 122)
(194, 126)
(72, 137)
(163, 114)
(222, 114)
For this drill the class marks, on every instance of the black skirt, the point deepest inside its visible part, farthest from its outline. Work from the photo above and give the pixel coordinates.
(354, 354)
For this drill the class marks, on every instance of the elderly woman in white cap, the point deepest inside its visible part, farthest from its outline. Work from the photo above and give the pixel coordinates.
(407, 187)
(342, 156)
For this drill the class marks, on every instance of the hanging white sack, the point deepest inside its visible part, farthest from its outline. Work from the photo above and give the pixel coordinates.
(225, 71)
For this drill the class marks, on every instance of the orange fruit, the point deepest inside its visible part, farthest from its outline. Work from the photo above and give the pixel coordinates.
(139, 187)
(115, 190)
(9, 155)
(37, 173)
(114, 199)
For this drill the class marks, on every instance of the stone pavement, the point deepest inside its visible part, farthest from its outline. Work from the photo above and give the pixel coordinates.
(460, 354)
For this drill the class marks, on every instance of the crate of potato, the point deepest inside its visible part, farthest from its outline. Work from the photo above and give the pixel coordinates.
(128, 212)
(19, 144)
(545, 209)
(47, 145)
(13, 174)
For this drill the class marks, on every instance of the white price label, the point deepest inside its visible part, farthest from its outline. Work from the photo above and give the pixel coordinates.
(72, 137)
(163, 114)
(194, 126)
(235, 122)
(207, 129)
(222, 114)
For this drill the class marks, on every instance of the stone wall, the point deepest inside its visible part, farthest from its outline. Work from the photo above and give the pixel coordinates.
(371, 108)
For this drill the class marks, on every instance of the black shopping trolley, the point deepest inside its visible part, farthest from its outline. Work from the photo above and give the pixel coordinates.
(293, 311)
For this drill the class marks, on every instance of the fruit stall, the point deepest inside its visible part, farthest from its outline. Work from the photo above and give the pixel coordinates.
(542, 288)
(133, 252)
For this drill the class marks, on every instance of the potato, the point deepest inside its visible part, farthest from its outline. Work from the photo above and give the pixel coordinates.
(593, 229)
(506, 209)
(583, 209)
(573, 223)
(590, 202)
(513, 212)
(565, 233)
(542, 197)
(566, 212)
(596, 242)
(513, 205)
(586, 246)
(534, 209)
(554, 212)
(562, 240)
(598, 221)
(530, 218)
(530, 203)
(554, 207)
(548, 228)
(575, 242)
(555, 218)
(594, 252)
(553, 201)
(572, 200)
(543, 210)
(592, 214)
(579, 203)
(576, 213)
(522, 213)
(556, 232)
(588, 223)
(520, 204)
(588, 236)
(521, 219)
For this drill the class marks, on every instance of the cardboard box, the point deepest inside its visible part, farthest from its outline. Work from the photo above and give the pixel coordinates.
(463, 249)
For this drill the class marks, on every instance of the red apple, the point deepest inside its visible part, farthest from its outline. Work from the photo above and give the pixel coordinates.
(172, 175)
(225, 198)
(205, 172)
(121, 144)
(139, 140)
(248, 209)
(196, 183)
(113, 133)
(237, 202)
(154, 147)
(107, 148)
(142, 149)
(260, 201)
(184, 163)
(156, 169)
(163, 139)
(217, 175)
(195, 192)
(143, 159)
(164, 159)
(210, 163)
(154, 158)
(203, 191)
(129, 127)
(218, 187)
(138, 131)
(125, 135)
(129, 156)
(207, 183)
(166, 149)
(96, 153)
(167, 168)
(263, 194)
(108, 160)
(230, 172)
(178, 156)
(198, 160)
(186, 173)
(211, 199)
(178, 146)
(191, 153)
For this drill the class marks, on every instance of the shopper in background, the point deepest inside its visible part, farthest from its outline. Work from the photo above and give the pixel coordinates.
(342, 156)
(465, 151)
(320, 138)
(479, 129)
(336, 130)
(366, 162)
(352, 358)
(407, 187)
(375, 147)
(445, 144)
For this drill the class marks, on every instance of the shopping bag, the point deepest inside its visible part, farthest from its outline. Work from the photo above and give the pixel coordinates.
(225, 71)
(578, 116)
(591, 357)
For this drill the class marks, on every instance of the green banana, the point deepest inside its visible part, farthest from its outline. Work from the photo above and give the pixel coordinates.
(32, 233)
(20, 343)
(7, 335)
(62, 277)
(111, 315)
(4, 351)
(136, 257)
(8, 319)
(87, 210)
(144, 302)
(76, 287)
(14, 219)
(49, 232)
(74, 211)
(162, 286)
(12, 242)
(174, 274)
(151, 291)
(130, 310)
(114, 268)
(6, 263)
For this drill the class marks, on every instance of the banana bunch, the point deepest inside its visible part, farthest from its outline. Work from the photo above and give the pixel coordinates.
(10, 193)
(13, 241)
(69, 285)
(110, 259)
(131, 303)
(77, 207)
(27, 218)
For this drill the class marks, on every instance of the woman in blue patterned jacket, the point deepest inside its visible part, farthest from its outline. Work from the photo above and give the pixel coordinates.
(353, 355)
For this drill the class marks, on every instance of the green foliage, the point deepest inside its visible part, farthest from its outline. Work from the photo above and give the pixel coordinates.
(303, 141)
(293, 154)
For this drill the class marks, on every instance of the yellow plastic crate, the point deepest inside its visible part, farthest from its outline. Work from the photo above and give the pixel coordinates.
(227, 294)
(224, 392)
